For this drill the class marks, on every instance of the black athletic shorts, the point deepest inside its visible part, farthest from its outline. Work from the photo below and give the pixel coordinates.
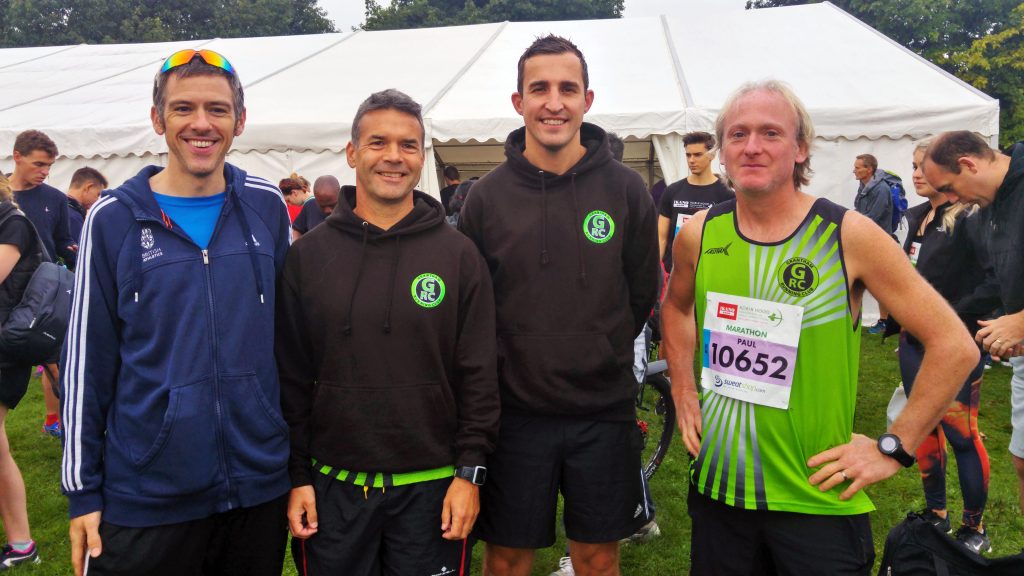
(729, 540)
(595, 465)
(13, 384)
(394, 531)
(241, 542)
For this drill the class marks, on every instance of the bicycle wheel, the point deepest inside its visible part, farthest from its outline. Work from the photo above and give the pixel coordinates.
(656, 415)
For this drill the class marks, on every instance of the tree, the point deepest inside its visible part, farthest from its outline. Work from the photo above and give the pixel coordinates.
(995, 64)
(432, 13)
(55, 22)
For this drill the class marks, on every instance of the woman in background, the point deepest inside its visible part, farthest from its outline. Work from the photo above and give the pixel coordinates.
(939, 245)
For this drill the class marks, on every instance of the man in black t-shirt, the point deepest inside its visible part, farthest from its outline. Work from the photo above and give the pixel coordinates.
(452, 179)
(47, 209)
(325, 197)
(700, 190)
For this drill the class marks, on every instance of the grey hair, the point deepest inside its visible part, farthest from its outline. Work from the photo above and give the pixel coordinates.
(389, 99)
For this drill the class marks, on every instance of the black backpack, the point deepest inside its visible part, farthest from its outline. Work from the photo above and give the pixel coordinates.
(34, 331)
(917, 548)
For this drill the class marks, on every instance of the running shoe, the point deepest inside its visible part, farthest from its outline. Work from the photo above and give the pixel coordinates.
(878, 328)
(9, 557)
(54, 430)
(647, 532)
(564, 567)
(938, 521)
(976, 541)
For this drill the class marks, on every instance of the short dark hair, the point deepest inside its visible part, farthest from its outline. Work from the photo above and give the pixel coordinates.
(699, 138)
(289, 185)
(869, 161)
(452, 173)
(85, 175)
(616, 145)
(950, 147)
(389, 99)
(31, 140)
(551, 45)
(197, 67)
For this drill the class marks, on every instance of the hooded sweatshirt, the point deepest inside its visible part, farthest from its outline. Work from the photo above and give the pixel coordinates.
(385, 342)
(574, 260)
(171, 402)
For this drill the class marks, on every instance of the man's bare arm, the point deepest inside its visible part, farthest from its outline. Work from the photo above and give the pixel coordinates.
(874, 260)
(679, 330)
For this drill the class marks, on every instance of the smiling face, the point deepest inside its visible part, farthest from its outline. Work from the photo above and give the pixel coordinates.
(387, 158)
(198, 124)
(32, 169)
(553, 101)
(760, 148)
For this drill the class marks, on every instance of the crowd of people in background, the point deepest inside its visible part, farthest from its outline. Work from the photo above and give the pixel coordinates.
(383, 373)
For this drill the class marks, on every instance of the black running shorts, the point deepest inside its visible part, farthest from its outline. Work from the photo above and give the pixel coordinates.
(13, 384)
(394, 531)
(730, 540)
(595, 465)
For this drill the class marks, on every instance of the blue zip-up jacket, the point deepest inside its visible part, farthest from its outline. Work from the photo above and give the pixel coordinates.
(171, 402)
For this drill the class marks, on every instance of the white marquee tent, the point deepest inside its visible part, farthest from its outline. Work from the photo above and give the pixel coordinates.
(654, 78)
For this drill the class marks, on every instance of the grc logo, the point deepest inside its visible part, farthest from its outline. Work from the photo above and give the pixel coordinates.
(727, 311)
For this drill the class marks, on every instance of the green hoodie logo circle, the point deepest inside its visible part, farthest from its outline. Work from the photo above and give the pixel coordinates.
(598, 227)
(427, 290)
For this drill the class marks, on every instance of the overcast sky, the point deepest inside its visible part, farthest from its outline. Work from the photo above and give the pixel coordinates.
(349, 13)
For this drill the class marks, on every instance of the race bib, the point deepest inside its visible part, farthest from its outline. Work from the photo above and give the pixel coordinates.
(682, 219)
(750, 348)
(915, 250)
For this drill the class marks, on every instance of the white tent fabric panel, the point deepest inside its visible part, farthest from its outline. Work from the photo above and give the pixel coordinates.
(671, 155)
(654, 78)
(855, 82)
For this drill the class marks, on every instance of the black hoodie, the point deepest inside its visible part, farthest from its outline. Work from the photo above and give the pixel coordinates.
(385, 345)
(574, 259)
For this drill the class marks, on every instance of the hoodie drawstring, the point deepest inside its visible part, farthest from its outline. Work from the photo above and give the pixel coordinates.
(250, 242)
(543, 221)
(391, 286)
(347, 327)
(579, 225)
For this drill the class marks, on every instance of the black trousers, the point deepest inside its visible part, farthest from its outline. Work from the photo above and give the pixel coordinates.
(242, 542)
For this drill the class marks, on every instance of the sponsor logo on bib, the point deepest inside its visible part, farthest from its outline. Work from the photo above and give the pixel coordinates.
(727, 311)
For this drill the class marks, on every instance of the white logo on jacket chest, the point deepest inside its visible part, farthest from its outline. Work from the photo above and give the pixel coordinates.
(148, 242)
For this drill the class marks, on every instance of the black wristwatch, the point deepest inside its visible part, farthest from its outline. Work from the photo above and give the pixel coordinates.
(891, 446)
(475, 474)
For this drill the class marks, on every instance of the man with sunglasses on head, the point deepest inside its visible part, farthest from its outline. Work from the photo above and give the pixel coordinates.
(175, 450)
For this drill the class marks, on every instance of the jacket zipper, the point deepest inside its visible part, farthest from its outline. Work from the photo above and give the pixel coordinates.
(218, 409)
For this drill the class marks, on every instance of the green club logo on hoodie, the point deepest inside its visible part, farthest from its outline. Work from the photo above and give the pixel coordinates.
(599, 227)
(427, 290)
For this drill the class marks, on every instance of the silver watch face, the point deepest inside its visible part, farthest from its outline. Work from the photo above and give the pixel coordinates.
(887, 444)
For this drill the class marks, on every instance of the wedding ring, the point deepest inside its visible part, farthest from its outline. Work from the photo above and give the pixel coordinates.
(845, 477)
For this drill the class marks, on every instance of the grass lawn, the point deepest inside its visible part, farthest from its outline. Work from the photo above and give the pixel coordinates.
(39, 459)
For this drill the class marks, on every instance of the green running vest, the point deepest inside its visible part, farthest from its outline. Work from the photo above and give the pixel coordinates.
(753, 456)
